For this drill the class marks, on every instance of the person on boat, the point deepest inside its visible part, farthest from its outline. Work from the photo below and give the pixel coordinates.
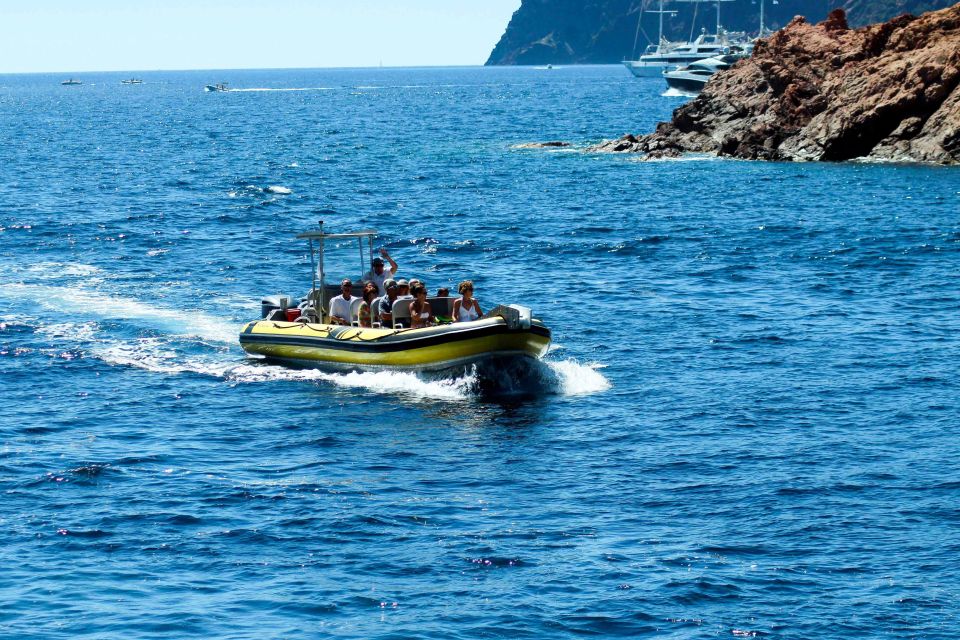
(466, 309)
(403, 290)
(386, 302)
(364, 312)
(340, 305)
(378, 273)
(443, 318)
(421, 315)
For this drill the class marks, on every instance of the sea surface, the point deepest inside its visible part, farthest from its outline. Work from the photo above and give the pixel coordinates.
(748, 425)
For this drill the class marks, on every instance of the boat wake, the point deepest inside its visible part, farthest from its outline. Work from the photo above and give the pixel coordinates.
(509, 379)
(124, 332)
(678, 93)
(265, 89)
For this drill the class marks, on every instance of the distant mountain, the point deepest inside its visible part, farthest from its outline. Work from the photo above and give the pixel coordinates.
(606, 31)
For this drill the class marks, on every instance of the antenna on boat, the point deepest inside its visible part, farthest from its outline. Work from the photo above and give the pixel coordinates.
(763, 28)
(718, 10)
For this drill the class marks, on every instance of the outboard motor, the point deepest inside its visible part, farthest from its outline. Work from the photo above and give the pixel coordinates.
(525, 315)
(516, 316)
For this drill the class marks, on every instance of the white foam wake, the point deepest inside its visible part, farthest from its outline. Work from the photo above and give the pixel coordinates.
(673, 92)
(577, 379)
(563, 377)
(262, 89)
(77, 316)
(93, 304)
(159, 356)
(406, 384)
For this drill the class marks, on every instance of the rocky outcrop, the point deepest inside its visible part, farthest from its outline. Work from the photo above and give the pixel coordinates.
(827, 92)
(607, 31)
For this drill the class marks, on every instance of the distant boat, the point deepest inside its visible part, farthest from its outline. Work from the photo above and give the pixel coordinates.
(70, 82)
(132, 81)
(220, 86)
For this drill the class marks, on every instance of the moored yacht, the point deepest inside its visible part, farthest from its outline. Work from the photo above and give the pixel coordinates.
(694, 76)
(665, 56)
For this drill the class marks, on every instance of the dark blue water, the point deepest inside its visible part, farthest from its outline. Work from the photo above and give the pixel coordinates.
(748, 425)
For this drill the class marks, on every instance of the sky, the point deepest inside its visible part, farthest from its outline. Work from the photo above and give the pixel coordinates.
(142, 35)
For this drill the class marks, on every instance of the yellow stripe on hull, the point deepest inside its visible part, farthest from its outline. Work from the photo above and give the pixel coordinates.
(459, 343)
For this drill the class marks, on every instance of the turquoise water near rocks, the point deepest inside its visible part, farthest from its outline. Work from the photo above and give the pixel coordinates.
(747, 425)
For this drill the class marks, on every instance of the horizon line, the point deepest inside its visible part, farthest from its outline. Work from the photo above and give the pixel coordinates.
(385, 67)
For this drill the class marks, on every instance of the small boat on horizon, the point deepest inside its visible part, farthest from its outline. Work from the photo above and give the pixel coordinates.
(300, 333)
(132, 81)
(70, 82)
(220, 86)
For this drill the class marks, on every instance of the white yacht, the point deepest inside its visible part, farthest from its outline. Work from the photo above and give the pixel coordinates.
(694, 76)
(657, 59)
(669, 55)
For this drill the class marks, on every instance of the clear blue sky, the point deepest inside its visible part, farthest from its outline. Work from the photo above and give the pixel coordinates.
(121, 35)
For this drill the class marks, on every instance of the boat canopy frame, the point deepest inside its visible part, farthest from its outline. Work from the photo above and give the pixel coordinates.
(317, 239)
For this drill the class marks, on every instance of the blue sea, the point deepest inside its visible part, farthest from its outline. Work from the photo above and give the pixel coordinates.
(748, 424)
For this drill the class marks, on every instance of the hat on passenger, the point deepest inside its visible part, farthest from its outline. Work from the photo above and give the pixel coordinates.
(389, 282)
(402, 283)
(377, 262)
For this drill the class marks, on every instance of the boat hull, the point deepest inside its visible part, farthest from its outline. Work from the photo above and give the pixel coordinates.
(685, 83)
(429, 349)
(642, 69)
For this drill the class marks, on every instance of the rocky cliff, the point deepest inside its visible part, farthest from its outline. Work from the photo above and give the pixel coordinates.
(827, 92)
(607, 31)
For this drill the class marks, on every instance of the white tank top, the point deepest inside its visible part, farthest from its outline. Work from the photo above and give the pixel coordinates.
(466, 315)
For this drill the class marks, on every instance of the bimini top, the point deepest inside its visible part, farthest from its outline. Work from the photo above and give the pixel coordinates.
(367, 233)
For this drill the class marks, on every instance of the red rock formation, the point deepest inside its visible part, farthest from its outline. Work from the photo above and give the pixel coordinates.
(825, 92)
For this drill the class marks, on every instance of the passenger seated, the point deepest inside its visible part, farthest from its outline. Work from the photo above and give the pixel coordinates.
(364, 313)
(442, 305)
(403, 290)
(466, 309)
(421, 315)
(340, 305)
(386, 302)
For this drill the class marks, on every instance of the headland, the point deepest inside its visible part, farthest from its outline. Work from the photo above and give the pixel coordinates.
(885, 92)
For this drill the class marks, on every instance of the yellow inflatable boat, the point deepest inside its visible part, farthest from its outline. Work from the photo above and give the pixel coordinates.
(302, 335)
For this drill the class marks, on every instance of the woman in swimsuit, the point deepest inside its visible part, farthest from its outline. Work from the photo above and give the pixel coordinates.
(466, 309)
(421, 315)
(369, 295)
